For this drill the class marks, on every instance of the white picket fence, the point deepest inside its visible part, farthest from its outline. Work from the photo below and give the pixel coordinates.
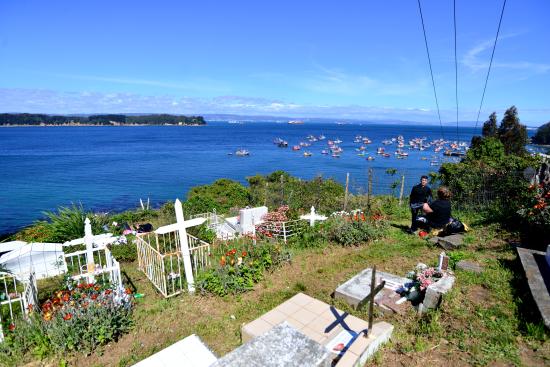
(16, 298)
(105, 266)
(161, 259)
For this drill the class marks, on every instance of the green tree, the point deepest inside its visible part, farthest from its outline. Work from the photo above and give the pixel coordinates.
(490, 126)
(543, 134)
(489, 150)
(511, 133)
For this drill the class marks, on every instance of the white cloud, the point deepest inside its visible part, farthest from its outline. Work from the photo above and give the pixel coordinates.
(473, 61)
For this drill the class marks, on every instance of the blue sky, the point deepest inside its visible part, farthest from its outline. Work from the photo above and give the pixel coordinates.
(338, 59)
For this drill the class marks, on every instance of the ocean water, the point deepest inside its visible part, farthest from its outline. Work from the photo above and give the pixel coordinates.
(111, 168)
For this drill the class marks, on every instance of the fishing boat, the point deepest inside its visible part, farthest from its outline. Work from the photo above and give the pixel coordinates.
(307, 154)
(242, 153)
(283, 144)
(337, 141)
(296, 147)
(324, 151)
(321, 137)
(370, 158)
(295, 122)
(386, 155)
(336, 155)
(380, 150)
(362, 154)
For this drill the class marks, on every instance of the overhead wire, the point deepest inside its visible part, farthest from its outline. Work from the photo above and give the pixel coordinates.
(431, 70)
(490, 63)
(456, 72)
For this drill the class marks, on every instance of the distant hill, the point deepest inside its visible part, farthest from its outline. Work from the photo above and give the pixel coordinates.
(31, 119)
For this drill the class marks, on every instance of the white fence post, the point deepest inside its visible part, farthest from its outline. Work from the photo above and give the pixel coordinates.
(284, 232)
(184, 247)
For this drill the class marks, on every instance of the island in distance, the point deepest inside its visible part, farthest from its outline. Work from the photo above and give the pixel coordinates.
(30, 119)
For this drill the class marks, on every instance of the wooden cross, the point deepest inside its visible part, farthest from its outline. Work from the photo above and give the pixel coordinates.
(374, 289)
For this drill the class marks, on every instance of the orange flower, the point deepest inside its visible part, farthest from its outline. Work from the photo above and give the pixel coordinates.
(66, 297)
(30, 307)
(67, 317)
(108, 291)
(97, 287)
(128, 291)
(94, 296)
(244, 254)
(11, 327)
(47, 316)
(222, 261)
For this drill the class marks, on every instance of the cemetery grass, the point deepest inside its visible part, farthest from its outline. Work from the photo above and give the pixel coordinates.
(486, 319)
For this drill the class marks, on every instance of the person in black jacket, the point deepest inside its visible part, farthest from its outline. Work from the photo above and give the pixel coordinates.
(420, 194)
(438, 213)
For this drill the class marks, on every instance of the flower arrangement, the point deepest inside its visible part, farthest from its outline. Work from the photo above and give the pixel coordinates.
(422, 277)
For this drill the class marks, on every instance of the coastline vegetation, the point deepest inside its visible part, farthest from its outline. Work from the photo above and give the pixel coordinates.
(30, 119)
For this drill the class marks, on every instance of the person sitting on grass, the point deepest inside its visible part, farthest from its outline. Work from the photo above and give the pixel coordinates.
(438, 212)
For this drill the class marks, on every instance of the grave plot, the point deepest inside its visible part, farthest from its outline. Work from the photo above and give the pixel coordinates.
(319, 326)
(393, 292)
(170, 257)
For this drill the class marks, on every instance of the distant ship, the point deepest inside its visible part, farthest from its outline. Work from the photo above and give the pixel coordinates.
(295, 122)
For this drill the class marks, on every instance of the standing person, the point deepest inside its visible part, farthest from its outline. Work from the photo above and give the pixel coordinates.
(420, 194)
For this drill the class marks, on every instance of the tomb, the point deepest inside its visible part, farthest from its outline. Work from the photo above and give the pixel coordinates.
(346, 337)
(537, 270)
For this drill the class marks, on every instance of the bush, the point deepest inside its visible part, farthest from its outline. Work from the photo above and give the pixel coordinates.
(237, 270)
(308, 237)
(349, 232)
(222, 195)
(80, 317)
(68, 223)
(126, 252)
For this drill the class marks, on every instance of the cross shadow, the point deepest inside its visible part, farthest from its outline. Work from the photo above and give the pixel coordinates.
(402, 227)
(128, 280)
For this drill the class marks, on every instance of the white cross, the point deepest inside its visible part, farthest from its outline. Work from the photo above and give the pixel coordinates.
(312, 216)
(181, 227)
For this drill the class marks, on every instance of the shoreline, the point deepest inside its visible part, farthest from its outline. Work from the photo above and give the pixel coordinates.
(91, 125)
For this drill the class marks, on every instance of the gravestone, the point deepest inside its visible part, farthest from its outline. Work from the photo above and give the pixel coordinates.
(435, 292)
(469, 266)
(357, 289)
(443, 264)
(536, 265)
(448, 243)
(283, 346)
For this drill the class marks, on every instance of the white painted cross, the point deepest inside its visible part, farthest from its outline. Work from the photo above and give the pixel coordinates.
(312, 216)
(89, 241)
(181, 227)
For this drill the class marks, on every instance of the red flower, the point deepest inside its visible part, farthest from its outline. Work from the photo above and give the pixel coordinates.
(67, 316)
(30, 307)
(244, 254)
(90, 285)
(108, 291)
(11, 327)
(80, 285)
(66, 297)
(94, 296)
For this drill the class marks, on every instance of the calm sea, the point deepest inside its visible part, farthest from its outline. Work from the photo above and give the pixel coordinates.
(111, 168)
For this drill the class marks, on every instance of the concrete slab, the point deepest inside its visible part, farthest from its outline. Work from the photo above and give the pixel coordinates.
(313, 317)
(282, 346)
(189, 352)
(357, 289)
(537, 271)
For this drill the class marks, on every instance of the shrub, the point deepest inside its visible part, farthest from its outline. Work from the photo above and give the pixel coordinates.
(80, 317)
(308, 237)
(126, 252)
(68, 223)
(346, 231)
(237, 270)
(222, 195)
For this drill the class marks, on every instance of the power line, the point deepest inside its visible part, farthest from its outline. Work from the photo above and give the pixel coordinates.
(456, 71)
(490, 63)
(431, 71)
